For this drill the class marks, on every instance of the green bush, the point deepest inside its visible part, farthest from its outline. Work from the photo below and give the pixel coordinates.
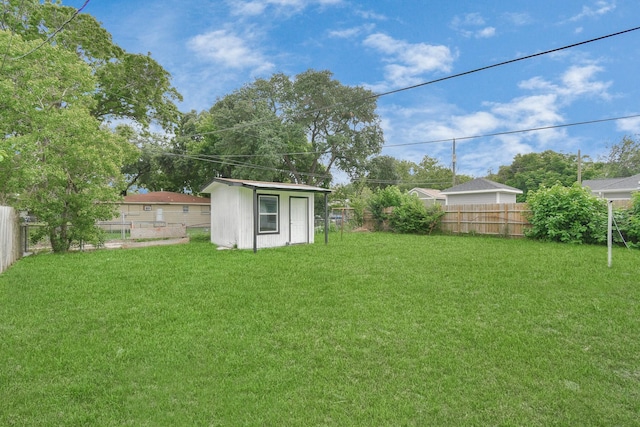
(381, 200)
(413, 217)
(408, 213)
(628, 223)
(567, 214)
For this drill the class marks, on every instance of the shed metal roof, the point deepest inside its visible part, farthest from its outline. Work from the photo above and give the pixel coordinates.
(264, 185)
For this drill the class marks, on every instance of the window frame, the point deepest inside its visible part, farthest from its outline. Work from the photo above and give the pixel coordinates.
(276, 214)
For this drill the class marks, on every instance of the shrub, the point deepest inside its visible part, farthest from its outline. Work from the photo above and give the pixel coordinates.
(381, 200)
(628, 223)
(567, 214)
(413, 217)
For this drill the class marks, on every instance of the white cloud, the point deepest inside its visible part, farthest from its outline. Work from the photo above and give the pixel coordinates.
(600, 8)
(229, 50)
(289, 7)
(518, 19)
(485, 33)
(368, 14)
(577, 80)
(408, 61)
(629, 125)
(544, 106)
(467, 26)
(348, 33)
(470, 19)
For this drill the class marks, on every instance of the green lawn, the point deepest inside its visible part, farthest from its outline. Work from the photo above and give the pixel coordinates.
(370, 330)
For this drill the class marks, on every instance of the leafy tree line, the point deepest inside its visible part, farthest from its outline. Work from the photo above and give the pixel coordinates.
(529, 172)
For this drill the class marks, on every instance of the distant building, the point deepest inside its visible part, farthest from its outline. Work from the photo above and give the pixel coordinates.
(480, 191)
(429, 196)
(167, 207)
(614, 188)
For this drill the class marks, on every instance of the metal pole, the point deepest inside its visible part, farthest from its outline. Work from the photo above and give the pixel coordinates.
(122, 227)
(453, 162)
(326, 219)
(256, 218)
(609, 231)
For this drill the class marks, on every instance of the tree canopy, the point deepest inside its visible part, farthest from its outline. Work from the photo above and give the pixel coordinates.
(128, 86)
(529, 172)
(623, 159)
(296, 129)
(62, 80)
(61, 165)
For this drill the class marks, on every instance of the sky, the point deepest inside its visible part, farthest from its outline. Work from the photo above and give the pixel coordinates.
(213, 47)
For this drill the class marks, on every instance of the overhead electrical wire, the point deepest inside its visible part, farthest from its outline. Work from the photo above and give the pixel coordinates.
(55, 32)
(511, 132)
(223, 158)
(438, 80)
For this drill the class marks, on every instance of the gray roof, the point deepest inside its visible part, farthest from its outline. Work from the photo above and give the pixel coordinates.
(429, 192)
(630, 183)
(264, 185)
(481, 185)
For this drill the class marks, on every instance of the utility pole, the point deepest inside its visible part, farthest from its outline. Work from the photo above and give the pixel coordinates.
(579, 168)
(453, 162)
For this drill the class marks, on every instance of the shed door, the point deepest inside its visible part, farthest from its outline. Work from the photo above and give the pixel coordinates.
(299, 215)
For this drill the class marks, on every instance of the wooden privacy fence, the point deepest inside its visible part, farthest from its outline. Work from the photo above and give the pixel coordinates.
(504, 219)
(10, 238)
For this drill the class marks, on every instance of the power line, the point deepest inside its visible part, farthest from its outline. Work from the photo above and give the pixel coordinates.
(449, 77)
(511, 132)
(546, 52)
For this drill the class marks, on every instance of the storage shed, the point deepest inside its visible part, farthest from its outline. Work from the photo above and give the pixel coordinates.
(480, 191)
(255, 214)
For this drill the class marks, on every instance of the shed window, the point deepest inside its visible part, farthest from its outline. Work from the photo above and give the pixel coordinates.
(146, 207)
(185, 209)
(269, 214)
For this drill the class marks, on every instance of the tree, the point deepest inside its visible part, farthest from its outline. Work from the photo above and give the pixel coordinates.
(623, 159)
(528, 172)
(61, 165)
(382, 172)
(129, 86)
(297, 130)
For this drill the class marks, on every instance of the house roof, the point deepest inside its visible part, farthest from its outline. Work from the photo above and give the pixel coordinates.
(264, 185)
(481, 185)
(429, 192)
(166, 198)
(631, 183)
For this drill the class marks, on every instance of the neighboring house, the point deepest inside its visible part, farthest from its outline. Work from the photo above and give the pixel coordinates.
(614, 188)
(480, 191)
(429, 196)
(254, 214)
(167, 207)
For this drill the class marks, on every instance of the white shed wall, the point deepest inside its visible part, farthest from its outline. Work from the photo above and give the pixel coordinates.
(225, 218)
(232, 217)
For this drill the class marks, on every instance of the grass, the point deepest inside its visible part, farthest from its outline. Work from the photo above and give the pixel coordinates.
(373, 329)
